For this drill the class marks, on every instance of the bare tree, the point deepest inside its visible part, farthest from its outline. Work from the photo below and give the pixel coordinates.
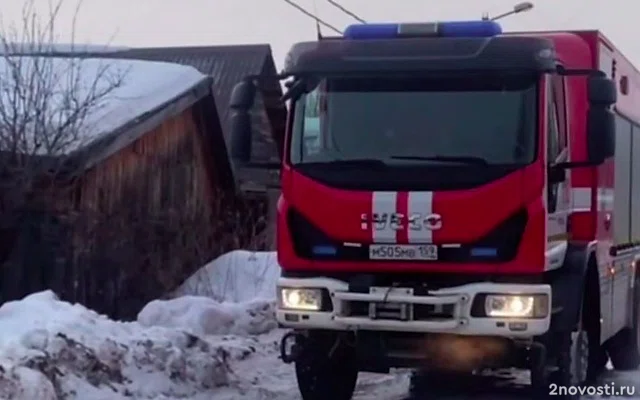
(137, 255)
(51, 100)
(242, 224)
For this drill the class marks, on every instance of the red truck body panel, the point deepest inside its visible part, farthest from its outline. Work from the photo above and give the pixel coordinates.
(468, 215)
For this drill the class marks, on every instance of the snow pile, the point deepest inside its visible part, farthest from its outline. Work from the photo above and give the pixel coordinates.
(50, 349)
(53, 350)
(233, 294)
(205, 316)
(95, 96)
(196, 347)
(238, 276)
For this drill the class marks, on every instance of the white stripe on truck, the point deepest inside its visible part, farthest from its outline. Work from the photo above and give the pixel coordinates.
(383, 204)
(420, 203)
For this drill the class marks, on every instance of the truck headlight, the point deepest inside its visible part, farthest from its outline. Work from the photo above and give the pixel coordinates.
(302, 299)
(517, 306)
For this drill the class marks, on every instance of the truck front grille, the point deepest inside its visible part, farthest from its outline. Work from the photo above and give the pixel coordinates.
(398, 311)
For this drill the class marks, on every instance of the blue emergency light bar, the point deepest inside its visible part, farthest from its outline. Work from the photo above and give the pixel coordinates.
(428, 29)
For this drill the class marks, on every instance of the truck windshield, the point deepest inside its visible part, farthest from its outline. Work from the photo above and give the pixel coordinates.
(447, 120)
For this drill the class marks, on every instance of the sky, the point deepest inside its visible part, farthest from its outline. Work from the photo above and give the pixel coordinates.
(212, 22)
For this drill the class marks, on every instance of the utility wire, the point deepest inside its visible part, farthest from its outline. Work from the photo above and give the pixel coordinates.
(344, 10)
(311, 15)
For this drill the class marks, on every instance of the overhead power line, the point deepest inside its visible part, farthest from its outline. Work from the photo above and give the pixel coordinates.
(315, 17)
(344, 10)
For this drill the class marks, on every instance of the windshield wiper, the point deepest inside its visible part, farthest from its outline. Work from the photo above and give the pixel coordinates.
(356, 162)
(454, 159)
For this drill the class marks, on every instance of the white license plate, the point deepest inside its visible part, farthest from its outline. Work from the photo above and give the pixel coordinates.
(408, 252)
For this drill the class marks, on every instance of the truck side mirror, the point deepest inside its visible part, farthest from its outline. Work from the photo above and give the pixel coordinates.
(601, 91)
(241, 103)
(601, 134)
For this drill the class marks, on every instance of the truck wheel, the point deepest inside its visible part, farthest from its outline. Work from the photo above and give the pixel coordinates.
(598, 356)
(326, 369)
(598, 364)
(571, 367)
(624, 348)
(573, 361)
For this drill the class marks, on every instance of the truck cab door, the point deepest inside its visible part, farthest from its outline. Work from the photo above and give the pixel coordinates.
(558, 181)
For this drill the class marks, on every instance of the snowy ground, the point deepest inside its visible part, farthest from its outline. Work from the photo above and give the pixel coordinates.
(223, 346)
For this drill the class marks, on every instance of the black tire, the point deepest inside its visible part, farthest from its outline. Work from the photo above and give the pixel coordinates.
(572, 363)
(539, 374)
(624, 348)
(326, 369)
(598, 359)
(579, 356)
(598, 356)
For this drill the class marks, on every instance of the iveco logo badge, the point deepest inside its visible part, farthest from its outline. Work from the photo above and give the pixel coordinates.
(398, 221)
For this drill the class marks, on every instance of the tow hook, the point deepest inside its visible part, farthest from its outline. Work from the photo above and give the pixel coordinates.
(294, 348)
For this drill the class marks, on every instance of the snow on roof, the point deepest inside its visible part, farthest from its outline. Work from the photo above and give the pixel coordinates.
(143, 87)
(44, 48)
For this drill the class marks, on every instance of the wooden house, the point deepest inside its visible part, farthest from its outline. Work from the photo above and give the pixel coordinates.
(227, 65)
(144, 201)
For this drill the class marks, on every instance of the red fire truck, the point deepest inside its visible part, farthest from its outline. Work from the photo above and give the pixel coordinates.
(456, 199)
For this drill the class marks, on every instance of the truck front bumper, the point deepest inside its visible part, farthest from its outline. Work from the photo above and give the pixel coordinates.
(472, 309)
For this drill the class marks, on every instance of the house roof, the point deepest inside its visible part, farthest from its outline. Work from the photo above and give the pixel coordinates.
(197, 97)
(111, 98)
(228, 65)
(224, 66)
(147, 93)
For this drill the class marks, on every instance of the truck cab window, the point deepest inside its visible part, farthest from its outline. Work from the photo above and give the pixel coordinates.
(553, 143)
(388, 118)
(560, 94)
(311, 139)
(553, 136)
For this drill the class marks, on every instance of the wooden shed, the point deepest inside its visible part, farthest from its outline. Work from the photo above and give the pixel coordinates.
(151, 199)
(227, 65)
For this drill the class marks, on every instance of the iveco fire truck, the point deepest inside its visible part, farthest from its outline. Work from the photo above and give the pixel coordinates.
(456, 199)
